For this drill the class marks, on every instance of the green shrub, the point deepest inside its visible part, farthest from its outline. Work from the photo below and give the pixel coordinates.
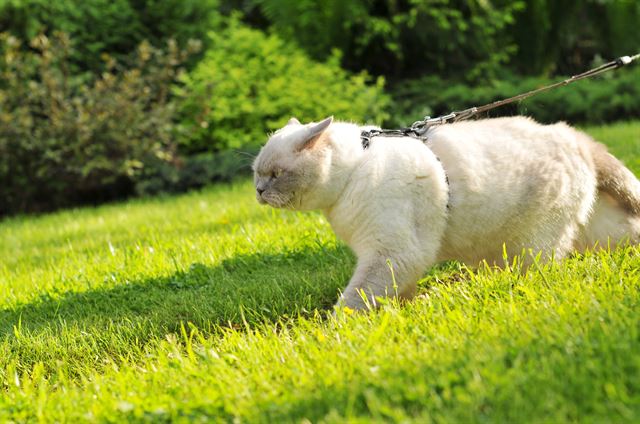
(115, 27)
(563, 36)
(470, 39)
(193, 171)
(67, 139)
(250, 83)
(614, 96)
(400, 38)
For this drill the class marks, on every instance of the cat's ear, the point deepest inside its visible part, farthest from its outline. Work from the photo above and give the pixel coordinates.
(314, 133)
(293, 121)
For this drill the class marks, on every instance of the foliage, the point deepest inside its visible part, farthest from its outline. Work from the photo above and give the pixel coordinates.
(250, 83)
(615, 96)
(470, 38)
(555, 36)
(66, 138)
(208, 307)
(401, 38)
(473, 39)
(193, 171)
(115, 27)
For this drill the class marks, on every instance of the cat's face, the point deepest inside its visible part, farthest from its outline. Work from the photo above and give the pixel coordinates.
(290, 164)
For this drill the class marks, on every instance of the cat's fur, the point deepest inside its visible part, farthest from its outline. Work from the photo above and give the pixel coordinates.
(471, 189)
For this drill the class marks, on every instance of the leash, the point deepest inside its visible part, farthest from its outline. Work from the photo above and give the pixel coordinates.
(419, 128)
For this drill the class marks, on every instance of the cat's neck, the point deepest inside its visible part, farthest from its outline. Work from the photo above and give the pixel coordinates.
(343, 155)
(346, 145)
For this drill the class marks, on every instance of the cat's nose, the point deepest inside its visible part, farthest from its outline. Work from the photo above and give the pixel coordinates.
(260, 190)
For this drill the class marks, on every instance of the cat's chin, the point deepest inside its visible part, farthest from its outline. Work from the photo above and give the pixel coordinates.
(287, 205)
(274, 203)
(279, 206)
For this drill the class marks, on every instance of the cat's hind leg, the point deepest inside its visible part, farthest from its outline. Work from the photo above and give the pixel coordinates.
(609, 225)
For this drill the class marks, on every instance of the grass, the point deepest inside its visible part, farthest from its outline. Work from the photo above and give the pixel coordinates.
(207, 306)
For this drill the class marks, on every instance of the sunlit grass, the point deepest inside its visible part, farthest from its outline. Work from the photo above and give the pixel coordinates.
(208, 306)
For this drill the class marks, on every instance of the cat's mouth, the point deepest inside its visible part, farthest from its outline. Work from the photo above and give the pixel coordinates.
(275, 200)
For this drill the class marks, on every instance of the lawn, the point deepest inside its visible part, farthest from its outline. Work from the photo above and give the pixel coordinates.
(207, 306)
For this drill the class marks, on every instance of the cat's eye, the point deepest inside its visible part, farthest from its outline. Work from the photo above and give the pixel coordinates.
(276, 173)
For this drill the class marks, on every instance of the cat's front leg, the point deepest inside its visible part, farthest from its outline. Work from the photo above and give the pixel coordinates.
(380, 276)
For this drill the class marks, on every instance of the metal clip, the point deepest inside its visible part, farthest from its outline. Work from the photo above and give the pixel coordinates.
(465, 114)
(366, 136)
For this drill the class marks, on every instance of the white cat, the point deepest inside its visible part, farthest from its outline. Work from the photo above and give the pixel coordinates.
(471, 188)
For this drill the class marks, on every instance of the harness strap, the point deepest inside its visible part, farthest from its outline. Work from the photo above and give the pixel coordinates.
(366, 136)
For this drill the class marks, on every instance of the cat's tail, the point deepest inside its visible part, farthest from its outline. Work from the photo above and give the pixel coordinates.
(615, 179)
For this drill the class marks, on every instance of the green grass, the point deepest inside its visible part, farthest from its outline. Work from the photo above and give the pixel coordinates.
(209, 307)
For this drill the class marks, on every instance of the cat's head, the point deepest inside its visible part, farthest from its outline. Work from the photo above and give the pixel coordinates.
(293, 164)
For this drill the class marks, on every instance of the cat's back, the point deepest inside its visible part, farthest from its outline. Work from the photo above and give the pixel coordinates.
(492, 150)
(509, 175)
(510, 133)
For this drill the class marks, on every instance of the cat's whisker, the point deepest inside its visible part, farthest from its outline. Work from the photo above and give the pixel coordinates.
(247, 154)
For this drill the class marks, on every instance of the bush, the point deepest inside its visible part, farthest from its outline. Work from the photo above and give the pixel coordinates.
(612, 97)
(400, 38)
(194, 171)
(563, 36)
(115, 27)
(250, 83)
(66, 139)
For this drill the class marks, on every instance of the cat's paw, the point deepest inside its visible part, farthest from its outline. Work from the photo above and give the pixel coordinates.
(351, 304)
(342, 311)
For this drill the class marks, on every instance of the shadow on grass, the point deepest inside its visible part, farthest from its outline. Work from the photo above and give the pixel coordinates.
(254, 289)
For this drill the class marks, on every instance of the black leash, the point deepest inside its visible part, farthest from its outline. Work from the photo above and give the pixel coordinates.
(419, 128)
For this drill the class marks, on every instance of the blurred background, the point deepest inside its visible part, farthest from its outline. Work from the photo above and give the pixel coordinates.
(106, 99)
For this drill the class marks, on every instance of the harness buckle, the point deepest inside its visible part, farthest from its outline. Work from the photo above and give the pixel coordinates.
(366, 136)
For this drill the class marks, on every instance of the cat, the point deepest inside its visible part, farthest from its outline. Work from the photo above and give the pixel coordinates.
(467, 192)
